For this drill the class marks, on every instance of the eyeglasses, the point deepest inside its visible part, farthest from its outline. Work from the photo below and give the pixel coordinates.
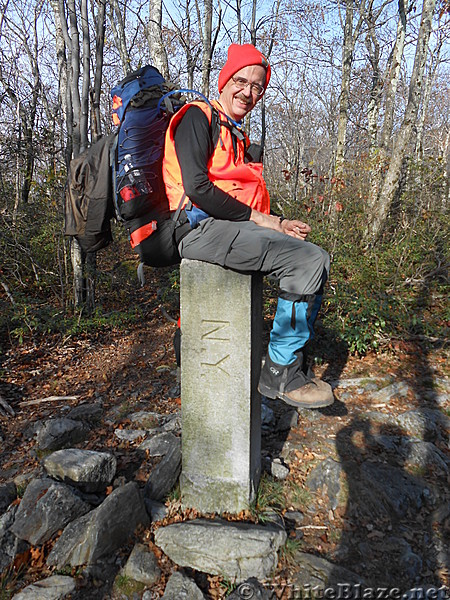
(241, 83)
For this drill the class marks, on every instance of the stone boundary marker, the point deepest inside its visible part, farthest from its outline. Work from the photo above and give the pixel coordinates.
(221, 316)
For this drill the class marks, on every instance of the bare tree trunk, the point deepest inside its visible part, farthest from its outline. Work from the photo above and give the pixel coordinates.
(86, 78)
(239, 21)
(26, 107)
(390, 184)
(155, 39)
(206, 34)
(253, 23)
(426, 95)
(116, 21)
(347, 60)
(77, 111)
(391, 85)
(75, 76)
(99, 46)
(379, 153)
(373, 109)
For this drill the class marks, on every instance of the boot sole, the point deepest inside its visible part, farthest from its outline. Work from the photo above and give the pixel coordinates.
(316, 404)
(273, 394)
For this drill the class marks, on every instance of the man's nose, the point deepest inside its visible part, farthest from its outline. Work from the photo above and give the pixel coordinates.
(247, 91)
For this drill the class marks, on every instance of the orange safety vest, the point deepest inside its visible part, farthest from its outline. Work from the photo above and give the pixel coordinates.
(244, 181)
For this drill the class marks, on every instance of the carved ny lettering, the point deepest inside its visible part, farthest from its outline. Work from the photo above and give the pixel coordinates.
(213, 328)
(218, 364)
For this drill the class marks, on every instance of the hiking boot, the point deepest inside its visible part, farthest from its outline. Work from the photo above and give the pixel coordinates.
(290, 384)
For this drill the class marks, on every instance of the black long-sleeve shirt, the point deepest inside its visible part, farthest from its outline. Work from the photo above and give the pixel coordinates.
(194, 147)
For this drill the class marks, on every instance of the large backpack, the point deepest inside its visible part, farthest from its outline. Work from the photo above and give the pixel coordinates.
(121, 175)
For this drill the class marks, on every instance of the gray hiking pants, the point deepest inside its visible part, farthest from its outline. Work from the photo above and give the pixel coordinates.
(300, 267)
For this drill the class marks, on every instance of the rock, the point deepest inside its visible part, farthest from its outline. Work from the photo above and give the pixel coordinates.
(294, 517)
(61, 433)
(392, 487)
(101, 575)
(424, 423)
(10, 545)
(46, 507)
(365, 383)
(308, 415)
(127, 435)
(23, 479)
(8, 493)
(390, 392)
(173, 423)
(400, 552)
(235, 550)
(164, 476)
(101, 531)
(156, 510)
(53, 588)
(314, 574)
(159, 444)
(278, 470)
(386, 443)
(326, 477)
(145, 420)
(424, 454)
(89, 412)
(378, 417)
(89, 470)
(181, 587)
(142, 566)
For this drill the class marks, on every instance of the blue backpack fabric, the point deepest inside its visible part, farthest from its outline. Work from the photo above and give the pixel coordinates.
(131, 186)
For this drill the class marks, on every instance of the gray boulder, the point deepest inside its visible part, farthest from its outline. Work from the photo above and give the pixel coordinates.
(314, 574)
(53, 588)
(424, 454)
(102, 531)
(91, 412)
(90, 471)
(235, 550)
(181, 587)
(172, 423)
(392, 488)
(10, 545)
(61, 433)
(46, 507)
(129, 435)
(145, 419)
(142, 566)
(424, 423)
(165, 475)
(390, 392)
(159, 444)
(8, 493)
(157, 510)
(326, 477)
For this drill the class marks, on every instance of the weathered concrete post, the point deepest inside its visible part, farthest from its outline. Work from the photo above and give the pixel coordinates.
(221, 317)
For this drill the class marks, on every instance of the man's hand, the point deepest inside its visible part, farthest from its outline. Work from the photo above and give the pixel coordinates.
(296, 229)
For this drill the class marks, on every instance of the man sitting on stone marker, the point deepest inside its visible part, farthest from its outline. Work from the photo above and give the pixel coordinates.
(228, 207)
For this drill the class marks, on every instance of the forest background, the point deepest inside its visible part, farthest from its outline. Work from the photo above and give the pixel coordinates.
(355, 129)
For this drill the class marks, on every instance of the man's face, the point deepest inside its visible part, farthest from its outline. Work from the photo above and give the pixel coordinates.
(237, 100)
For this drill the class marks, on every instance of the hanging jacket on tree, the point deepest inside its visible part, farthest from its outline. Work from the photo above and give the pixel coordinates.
(227, 166)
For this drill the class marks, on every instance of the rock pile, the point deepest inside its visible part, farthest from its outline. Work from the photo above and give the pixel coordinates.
(88, 517)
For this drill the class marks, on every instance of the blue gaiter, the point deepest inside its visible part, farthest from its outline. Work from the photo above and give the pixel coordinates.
(293, 327)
